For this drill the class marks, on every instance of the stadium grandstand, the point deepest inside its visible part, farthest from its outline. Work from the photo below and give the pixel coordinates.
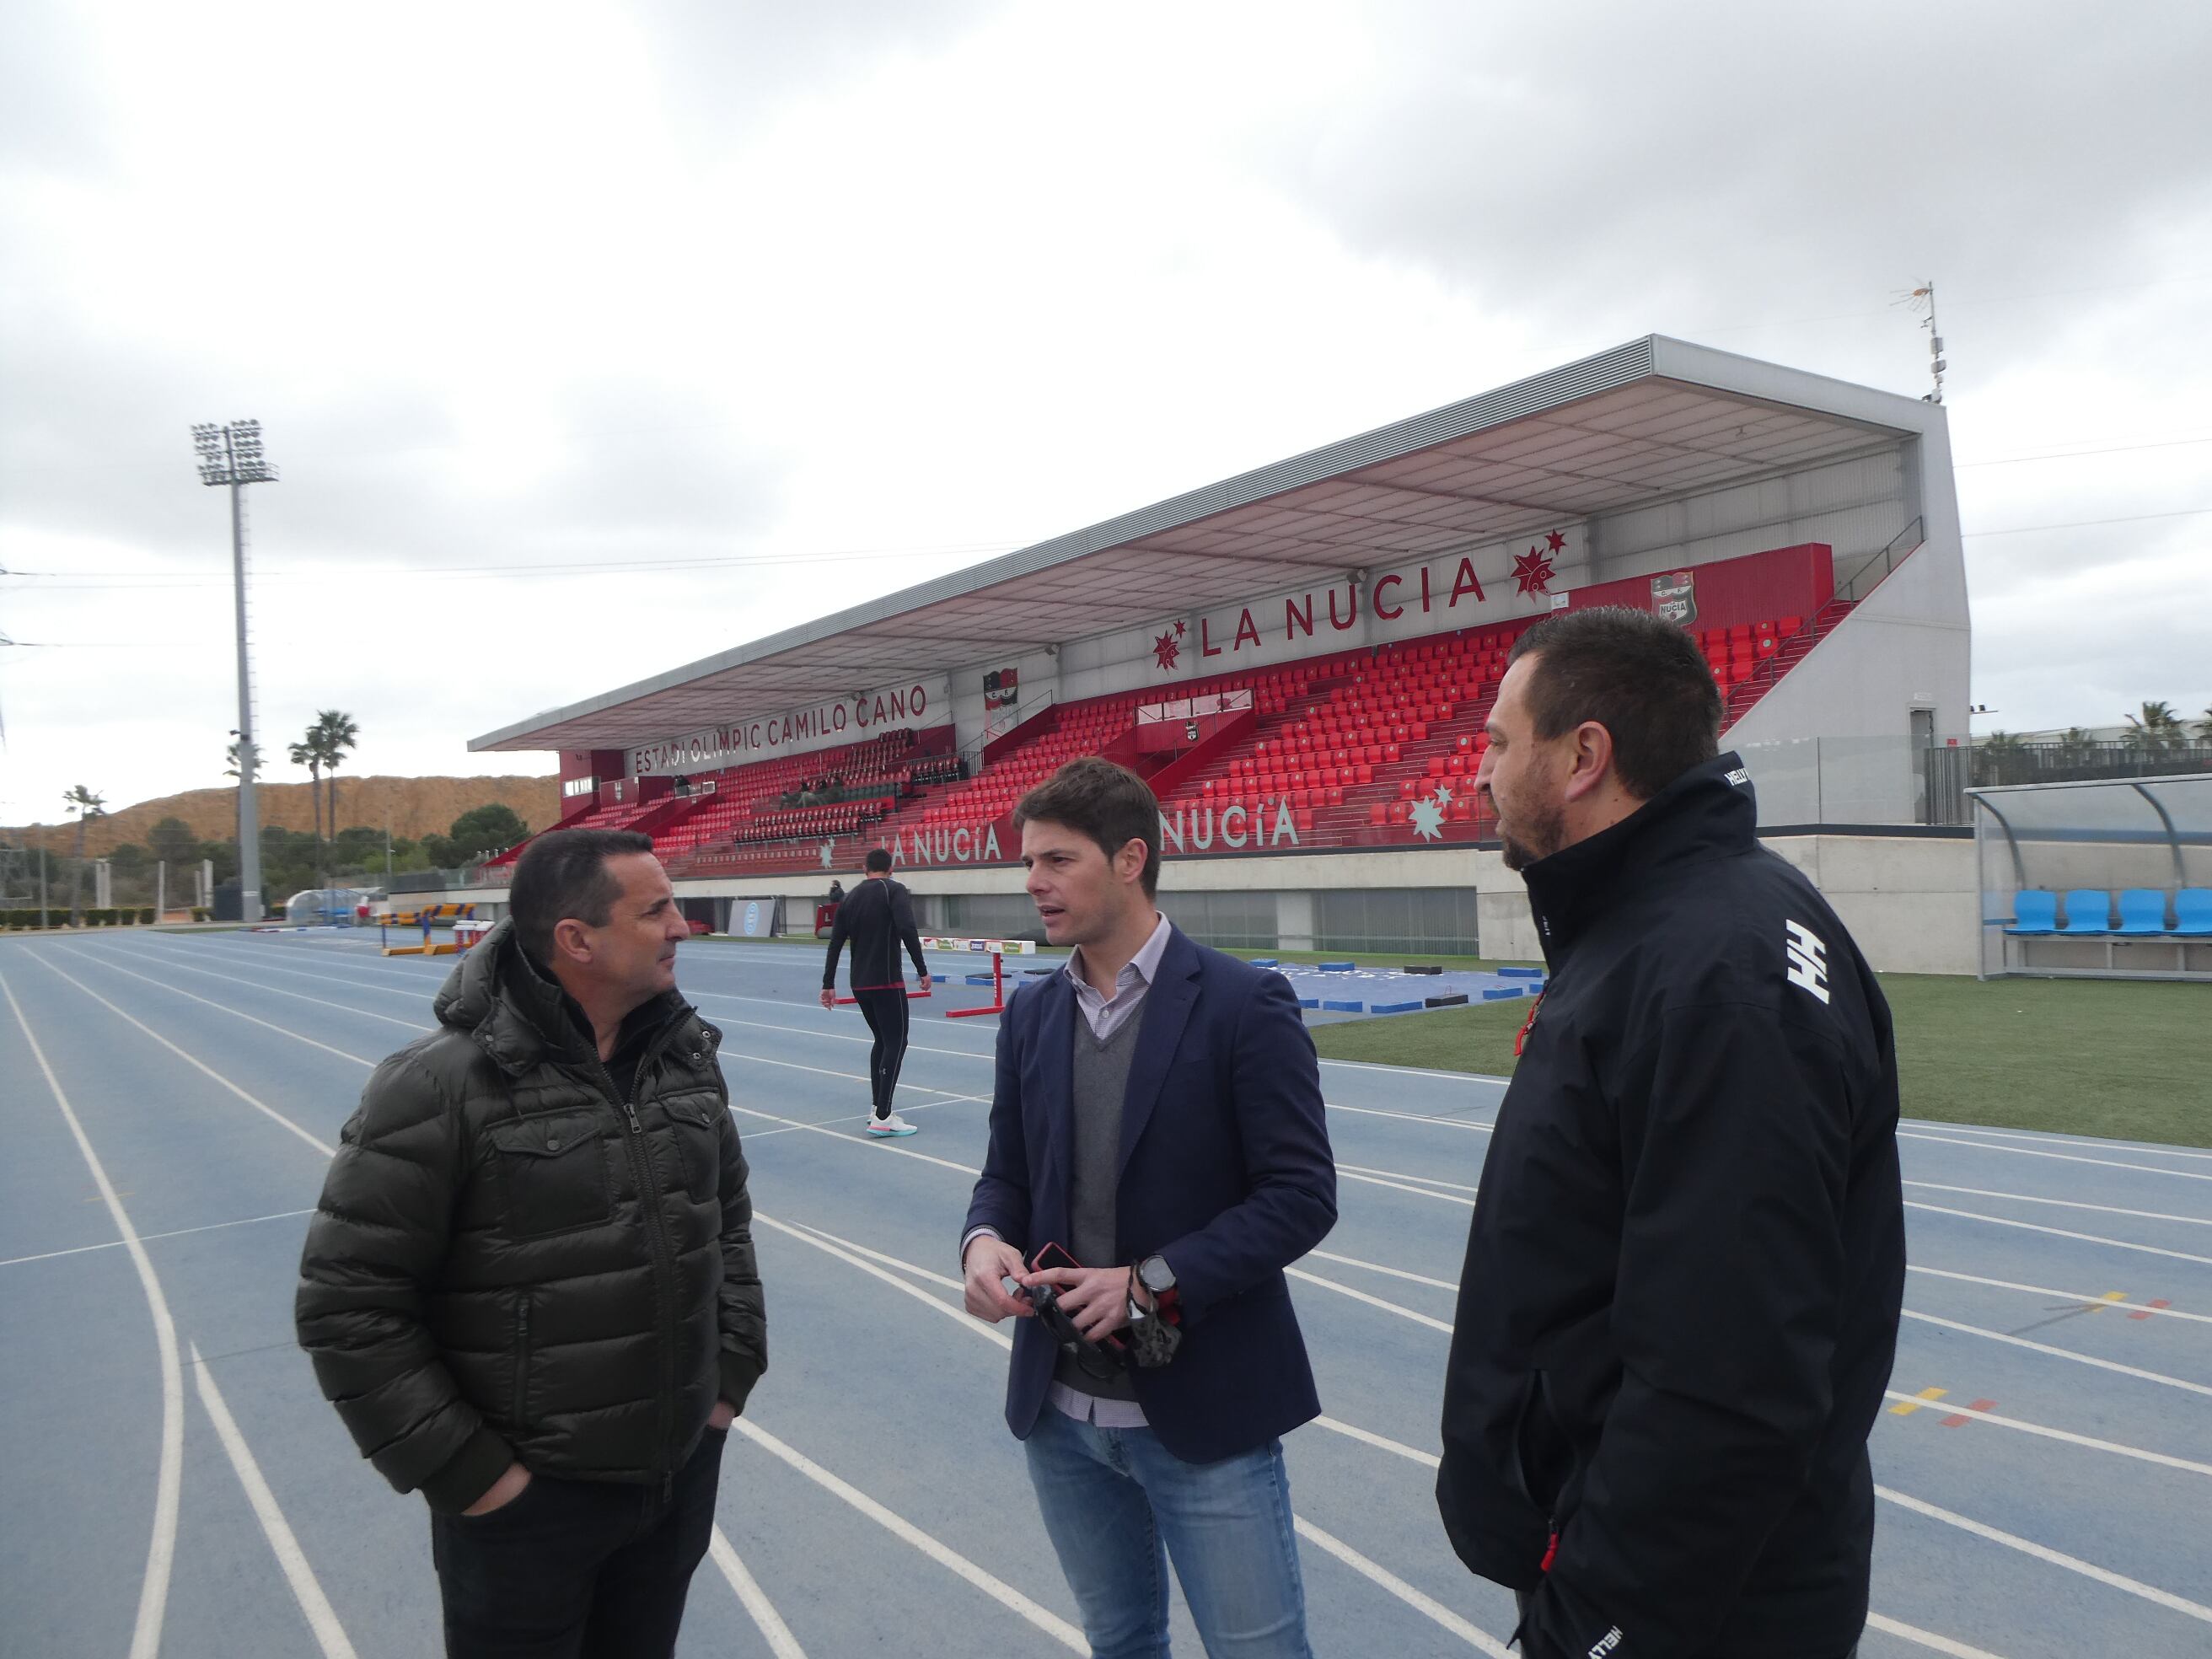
(1301, 660)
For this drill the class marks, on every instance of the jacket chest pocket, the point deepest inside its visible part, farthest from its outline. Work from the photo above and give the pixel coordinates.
(553, 1175)
(691, 1121)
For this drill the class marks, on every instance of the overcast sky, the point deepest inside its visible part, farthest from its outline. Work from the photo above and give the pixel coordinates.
(759, 310)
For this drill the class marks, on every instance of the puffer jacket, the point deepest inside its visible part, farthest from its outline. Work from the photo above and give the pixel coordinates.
(510, 1262)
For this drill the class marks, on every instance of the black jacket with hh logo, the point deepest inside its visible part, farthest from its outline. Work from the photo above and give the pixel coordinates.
(1679, 1304)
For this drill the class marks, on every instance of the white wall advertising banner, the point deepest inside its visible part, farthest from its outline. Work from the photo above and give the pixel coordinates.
(916, 706)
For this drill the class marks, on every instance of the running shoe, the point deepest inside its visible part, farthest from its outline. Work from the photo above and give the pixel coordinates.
(884, 1128)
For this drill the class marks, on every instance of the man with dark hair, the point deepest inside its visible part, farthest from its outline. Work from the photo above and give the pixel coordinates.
(529, 1288)
(1157, 1157)
(877, 917)
(1680, 1297)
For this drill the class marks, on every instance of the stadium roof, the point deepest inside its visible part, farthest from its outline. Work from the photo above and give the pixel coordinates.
(1648, 422)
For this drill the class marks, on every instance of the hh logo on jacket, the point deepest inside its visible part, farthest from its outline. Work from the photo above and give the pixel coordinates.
(1809, 959)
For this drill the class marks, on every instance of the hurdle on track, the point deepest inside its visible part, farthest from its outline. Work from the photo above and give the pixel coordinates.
(998, 949)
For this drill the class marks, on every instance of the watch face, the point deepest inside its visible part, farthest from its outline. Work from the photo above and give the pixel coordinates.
(1156, 1274)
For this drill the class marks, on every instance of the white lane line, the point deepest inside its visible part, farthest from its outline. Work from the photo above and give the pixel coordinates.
(2140, 1148)
(1419, 1071)
(830, 1037)
(1413, 1117)
(904, 1530)
(161, 1551)
(330, 1635)
(857, 1140)
(1380, 1442)
(2045, 1552)
(270, 1112)
(2063, 1203)
(205, 1002)
(1371, 1301)
(1434, 1611)
(909, 1267)
(148, 1238)
(2059, 1232)
(849, 1076)
(2082, 1297)
(966, 1320)
(1400, 1175)
(780, 1642)
(2066, 1435)
(249, 984)
(2063, 1158)
(1926, 1638)
(1354, 1261)
(1365, 1179)
(2062, 1354)
(862, 1117)
(421, 992)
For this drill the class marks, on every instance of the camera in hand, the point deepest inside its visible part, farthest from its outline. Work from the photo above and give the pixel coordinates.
(1107, 1358)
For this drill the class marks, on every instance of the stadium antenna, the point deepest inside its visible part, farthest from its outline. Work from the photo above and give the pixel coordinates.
(1926, 292)
(231, 454)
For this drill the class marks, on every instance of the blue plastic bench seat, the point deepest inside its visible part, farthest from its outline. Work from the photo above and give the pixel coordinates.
(2192, 913)
(2034, 913)
(2142, 913)
(2088, 913)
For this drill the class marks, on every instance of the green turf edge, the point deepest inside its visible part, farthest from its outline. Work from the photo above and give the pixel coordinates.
(2131, 1060)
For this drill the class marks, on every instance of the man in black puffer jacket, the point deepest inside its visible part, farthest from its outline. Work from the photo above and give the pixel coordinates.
(529, 1289)
(1680, 1299)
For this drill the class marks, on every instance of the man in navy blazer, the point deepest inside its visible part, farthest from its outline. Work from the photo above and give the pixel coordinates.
(1158, 1116)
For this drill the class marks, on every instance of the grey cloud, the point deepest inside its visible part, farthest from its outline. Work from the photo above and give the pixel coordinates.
(1676, 161)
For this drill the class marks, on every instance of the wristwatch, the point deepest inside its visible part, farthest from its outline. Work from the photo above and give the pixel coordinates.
(1156, 1276)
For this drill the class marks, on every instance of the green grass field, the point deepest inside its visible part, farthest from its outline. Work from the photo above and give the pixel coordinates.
(2096, 1057)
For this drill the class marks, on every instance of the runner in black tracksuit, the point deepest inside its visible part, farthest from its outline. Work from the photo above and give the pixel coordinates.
(877, 917)
(1681, 1298)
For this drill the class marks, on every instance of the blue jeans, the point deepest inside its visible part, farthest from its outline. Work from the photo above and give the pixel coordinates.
(1117, 1504)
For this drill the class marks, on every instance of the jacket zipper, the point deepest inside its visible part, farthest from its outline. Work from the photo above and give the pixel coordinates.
(521, 1356)
(664, 1265)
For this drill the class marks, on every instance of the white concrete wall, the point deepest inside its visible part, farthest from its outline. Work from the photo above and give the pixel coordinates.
(1909, 900)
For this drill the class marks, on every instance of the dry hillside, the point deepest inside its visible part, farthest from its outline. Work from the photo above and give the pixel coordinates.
(418, 806)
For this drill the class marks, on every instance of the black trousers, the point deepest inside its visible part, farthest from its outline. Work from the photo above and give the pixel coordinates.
(577, 1569)
(885, 1012)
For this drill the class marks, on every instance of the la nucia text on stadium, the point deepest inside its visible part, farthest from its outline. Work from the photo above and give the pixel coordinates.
(1301, 660)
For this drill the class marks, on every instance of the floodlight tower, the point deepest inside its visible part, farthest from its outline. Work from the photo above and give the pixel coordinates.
(231, 454)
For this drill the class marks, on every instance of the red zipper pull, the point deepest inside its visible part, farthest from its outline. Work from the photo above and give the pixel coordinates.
(1551, 1553)
(1521, 1035)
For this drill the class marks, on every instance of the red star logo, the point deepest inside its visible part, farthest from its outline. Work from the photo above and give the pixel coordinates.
(1532, 569)
(1558, 542)
(1180, 626)
(1166, 650)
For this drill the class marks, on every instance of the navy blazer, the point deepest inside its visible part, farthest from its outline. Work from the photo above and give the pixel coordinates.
(1225, 1170)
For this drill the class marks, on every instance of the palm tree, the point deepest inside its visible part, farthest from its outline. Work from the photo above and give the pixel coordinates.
(230, 760)
(2204, 727)
(2157, 730)
(87, 806)
(334, 732)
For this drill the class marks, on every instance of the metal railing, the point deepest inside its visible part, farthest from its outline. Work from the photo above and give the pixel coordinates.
(1871, 571)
